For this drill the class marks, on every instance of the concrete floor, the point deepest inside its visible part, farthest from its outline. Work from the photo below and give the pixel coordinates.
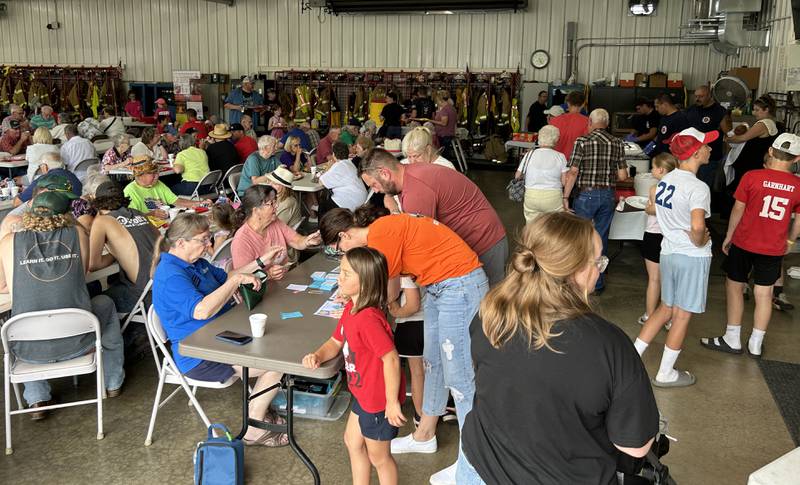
(727, 424)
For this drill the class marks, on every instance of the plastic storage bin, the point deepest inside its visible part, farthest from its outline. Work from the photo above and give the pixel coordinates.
(316, 401)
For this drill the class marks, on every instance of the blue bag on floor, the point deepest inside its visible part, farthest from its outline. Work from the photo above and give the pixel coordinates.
(219, 461)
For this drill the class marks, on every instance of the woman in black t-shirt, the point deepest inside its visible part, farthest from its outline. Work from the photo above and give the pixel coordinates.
(560, 392)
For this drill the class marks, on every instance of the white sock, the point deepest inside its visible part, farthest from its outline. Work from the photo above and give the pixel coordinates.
(756, 339)
(732, 336)
(641, 346)
(667, 372)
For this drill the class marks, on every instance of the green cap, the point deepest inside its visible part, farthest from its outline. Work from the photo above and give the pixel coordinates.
(56, 183)
(51, 204)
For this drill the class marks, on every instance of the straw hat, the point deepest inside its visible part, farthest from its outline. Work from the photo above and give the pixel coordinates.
(143, 165)
(220, 132)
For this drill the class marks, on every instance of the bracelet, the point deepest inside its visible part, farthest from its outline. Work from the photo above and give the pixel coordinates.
(260, 263)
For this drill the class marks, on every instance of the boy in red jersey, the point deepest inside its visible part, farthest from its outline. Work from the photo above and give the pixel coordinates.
(758, 237)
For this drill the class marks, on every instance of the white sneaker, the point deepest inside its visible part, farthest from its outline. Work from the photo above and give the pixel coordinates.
(407, 444)
(445, 477)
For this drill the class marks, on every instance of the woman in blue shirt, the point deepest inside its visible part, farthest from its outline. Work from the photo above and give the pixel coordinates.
(189, 292)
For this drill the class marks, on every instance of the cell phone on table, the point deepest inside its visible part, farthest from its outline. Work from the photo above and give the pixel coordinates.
(234, 337)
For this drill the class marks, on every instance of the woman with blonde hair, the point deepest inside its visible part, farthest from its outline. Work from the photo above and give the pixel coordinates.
(293, 156)
(545, 171)
(560, 391)
(42, 142)
(418, 148)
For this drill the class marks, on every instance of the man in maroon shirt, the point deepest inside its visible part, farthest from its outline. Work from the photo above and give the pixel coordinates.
(447, 196)
(572, 124)
(244, 144)
(325, 146)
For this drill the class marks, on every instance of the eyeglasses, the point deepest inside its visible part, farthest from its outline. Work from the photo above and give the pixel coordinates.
(273, 203)
(601, 263)
(205, 241)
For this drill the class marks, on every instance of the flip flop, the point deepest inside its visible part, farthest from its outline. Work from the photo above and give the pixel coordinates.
(270, 439)
(755, 356)
(719, 344)
(685, 378)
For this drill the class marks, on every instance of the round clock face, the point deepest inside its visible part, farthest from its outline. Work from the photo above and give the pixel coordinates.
(540, 59)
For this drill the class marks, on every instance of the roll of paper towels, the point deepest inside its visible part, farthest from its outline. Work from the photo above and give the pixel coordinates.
(642, 183)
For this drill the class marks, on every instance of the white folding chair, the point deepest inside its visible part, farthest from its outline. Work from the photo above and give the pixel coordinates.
(460, 156)
(223, 251)
(226, 178)
(233, 183)
(298, 224)
(48, 325)
(139, 315)
(84, 165)
(170, 374)
(211, 179)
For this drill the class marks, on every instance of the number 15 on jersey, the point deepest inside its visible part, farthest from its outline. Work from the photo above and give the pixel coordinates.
(774, 207)
(664, 195)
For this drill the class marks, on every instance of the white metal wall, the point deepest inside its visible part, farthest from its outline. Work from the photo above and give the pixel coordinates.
(153, 37)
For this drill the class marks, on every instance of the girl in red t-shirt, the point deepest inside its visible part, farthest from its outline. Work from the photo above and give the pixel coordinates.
(372, 364)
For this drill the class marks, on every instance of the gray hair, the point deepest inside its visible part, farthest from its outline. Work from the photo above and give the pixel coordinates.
(599, 116)
(418, 140)
(122, 138)
(187, 141)
(266, 141)
(13, 107)
(46, 108)
(548, 136)
(52, 160)
(70, 131)
(94, 179)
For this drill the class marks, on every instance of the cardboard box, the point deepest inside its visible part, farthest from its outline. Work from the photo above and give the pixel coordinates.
(750, 75)
(627, 79)
(657, 80)
(640, 80)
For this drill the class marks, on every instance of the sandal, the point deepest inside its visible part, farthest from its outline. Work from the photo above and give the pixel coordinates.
(719, 344)
(274, 418)
(755, 356)
(685, 378)
(270, 439)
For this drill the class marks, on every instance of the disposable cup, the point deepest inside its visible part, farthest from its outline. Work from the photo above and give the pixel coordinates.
(4, 191)
(14, 191)
(258, 324)
(173, 212)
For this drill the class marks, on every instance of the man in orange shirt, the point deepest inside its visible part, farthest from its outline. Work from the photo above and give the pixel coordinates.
(200, 130)
(572, 124)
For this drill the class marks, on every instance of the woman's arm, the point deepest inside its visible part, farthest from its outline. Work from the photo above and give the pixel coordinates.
(300, 242)
(213, 303)
(756, 131)
(442, 121)
(326, 352)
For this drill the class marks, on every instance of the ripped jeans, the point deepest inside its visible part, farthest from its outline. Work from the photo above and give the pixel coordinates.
(450, 306)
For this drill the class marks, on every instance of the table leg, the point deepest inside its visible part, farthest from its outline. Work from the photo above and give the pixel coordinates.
(245, 402)
(290, 431)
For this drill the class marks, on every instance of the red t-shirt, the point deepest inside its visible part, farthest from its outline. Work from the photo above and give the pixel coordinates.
(200, 129)
(324, 149)
(245, 147)
(367, 337)
(770, 197)
(570, 127)
(454, 200)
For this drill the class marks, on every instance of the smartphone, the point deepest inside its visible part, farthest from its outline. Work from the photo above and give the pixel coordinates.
(234, 337)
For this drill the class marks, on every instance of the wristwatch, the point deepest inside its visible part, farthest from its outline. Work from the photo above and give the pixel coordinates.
(260, 263)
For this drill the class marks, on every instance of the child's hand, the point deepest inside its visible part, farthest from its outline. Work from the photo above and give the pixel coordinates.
(393, 308)
(394, 414)
(311, 361)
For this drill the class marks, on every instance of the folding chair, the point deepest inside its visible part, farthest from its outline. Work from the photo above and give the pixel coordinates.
(226, 178)
(233, 183)
(223, 251)
(455, 143)
(211, 179)
(84, 165)
(48, 325)
(170, 374)
(139, 315)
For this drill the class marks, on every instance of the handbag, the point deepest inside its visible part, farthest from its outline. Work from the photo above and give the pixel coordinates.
(219, 461)
(516, 188)
(250, 296)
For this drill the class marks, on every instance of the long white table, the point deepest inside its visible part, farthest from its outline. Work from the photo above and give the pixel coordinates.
(306, 184)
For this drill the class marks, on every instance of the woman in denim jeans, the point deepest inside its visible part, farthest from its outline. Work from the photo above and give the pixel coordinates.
(455, 283)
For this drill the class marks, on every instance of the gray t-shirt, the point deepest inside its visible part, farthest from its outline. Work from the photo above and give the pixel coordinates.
(144, 236)
(49, 275)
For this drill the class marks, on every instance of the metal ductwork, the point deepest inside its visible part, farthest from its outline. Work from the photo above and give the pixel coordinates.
(420, 6)
(724, 23)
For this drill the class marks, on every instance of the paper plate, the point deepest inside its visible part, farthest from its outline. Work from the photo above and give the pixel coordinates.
(637, 201)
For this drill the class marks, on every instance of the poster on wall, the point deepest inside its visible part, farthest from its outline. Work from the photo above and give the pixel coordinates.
(182, 83)
(197, 106)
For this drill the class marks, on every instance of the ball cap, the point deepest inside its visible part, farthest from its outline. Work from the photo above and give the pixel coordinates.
(686, 143)
(554, 111)
(50, 204)
(787, 142)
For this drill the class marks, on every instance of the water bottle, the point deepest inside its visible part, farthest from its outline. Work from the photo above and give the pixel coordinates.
(222, 199)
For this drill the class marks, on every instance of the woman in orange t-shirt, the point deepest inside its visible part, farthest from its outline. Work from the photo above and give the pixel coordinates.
(455, 284)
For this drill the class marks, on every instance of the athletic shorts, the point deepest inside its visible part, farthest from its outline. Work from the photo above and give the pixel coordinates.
(765, 269)
(374, 426)
(210, 372)
(684, 281)
(651, 246)
(409, 339)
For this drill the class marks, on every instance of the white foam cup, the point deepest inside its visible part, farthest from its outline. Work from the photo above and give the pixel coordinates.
(258, 324)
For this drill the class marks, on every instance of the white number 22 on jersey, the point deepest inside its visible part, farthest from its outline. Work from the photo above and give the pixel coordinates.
(774, 207)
